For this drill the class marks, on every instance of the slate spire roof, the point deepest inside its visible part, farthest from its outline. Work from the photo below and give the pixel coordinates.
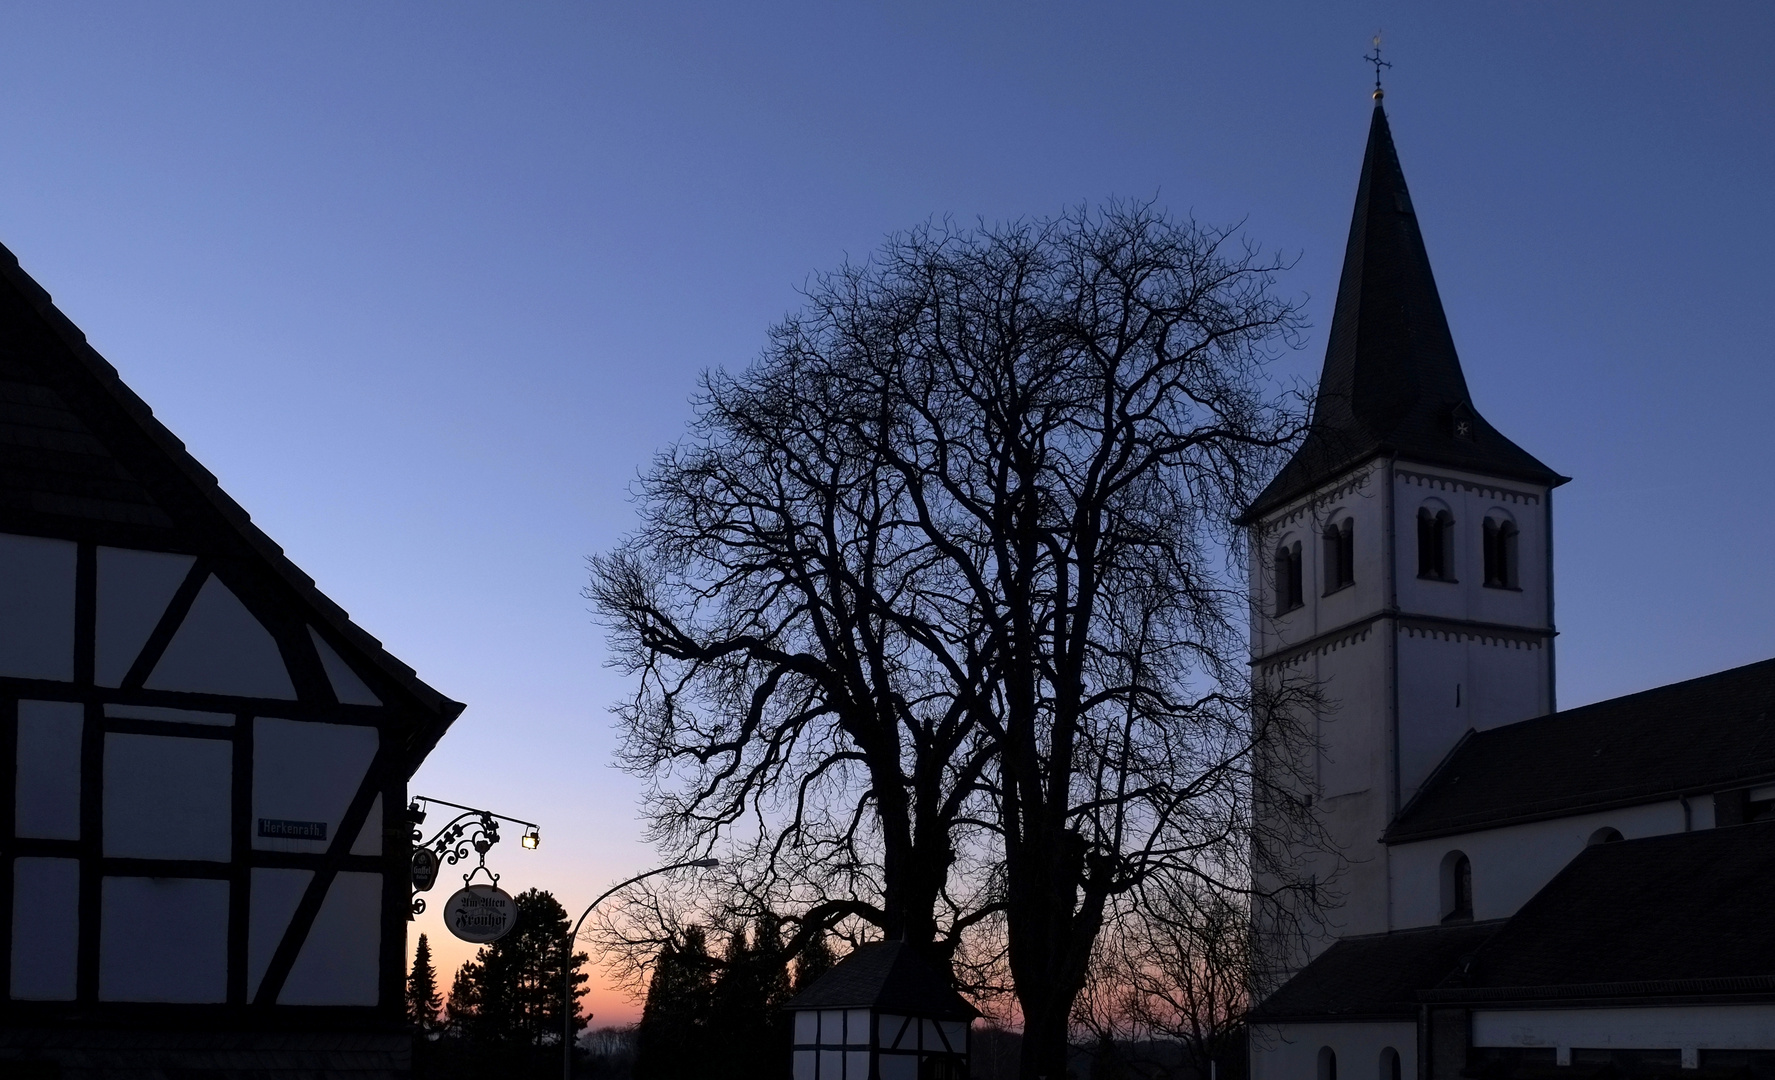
(1392, 382)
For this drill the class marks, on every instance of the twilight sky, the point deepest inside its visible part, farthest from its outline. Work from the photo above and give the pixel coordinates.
(424, 284)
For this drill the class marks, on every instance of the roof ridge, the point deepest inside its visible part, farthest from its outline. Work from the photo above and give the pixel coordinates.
(205, 484)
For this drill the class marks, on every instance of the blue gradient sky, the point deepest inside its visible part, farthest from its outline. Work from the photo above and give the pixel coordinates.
(425, 284)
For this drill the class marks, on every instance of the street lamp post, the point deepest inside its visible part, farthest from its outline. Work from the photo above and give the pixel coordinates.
(567, 1009)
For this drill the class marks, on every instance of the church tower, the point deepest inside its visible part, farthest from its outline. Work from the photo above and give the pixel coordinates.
(1401, 560)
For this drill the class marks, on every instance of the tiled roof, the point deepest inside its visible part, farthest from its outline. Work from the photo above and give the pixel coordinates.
(78, 449)
(1392, 382)
(1699, 736)
(1686, 912)
(1375, 975)
(891, 977)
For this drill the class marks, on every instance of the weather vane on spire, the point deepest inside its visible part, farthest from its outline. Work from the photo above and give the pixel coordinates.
(1375, 59)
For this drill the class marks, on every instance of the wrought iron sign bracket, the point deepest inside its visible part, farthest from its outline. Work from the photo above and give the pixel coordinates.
(472, 829)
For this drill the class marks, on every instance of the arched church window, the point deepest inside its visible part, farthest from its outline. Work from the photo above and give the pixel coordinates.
(1604, 835)
(1340, 555)
(1389, 1064)
(1499, 541)
(1436, 530)
(1457, 887)
(1288, 578)
(1327, 1063)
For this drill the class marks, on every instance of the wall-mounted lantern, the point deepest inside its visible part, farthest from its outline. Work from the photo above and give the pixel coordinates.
(881, 1013)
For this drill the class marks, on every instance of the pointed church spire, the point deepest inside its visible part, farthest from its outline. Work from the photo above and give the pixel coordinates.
(1392, 383)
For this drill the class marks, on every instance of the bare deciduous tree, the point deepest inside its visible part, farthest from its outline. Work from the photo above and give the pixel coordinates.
(935, 612)
(1177, 968)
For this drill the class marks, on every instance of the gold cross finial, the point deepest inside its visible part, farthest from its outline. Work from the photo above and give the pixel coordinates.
(1375, 59)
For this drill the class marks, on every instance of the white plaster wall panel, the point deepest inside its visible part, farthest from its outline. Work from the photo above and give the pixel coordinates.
(1291, 1051)
(163, 939)
(1511, 864)
(1499, 682)
(45, 928)
(221, 648)
(1430, 723)
(1508, 680)
(338, 964)
(1675, 1027)
(1356, 897)
(369, 841)
(347, 687)
(1352, 728)
(168, 797)
(177, 716)
(305, 771)
(37, 607)
(275, 894)
(1350, 774)
(47, 798)
(134, 588)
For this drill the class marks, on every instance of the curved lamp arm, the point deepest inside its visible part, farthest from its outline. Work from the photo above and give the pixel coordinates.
(567, 1009)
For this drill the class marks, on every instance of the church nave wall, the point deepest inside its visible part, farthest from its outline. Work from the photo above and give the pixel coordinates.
(1513, 863)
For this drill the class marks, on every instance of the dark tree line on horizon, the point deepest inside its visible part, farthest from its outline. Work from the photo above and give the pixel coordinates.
(705, 1017)
(937, 618)
(503, 1015)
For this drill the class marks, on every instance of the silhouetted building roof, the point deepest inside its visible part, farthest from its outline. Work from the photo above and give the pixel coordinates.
(1376, 975)
(81, 453)
(1703, 735)
(889, 976)
(1392, 383)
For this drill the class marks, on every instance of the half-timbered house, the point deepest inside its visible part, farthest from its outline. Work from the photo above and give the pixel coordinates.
(206, 762)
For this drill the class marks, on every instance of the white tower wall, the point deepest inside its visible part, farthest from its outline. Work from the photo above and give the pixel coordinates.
(1404, 666)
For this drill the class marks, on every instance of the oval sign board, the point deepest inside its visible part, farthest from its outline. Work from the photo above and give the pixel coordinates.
(425, 869)
(480, 913)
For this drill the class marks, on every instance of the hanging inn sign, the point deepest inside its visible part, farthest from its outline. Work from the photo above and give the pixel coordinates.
(478, 912)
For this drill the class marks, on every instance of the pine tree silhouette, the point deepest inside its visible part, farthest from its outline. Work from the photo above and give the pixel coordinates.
(423, 1000)
(672, 1041)
(815, 960)
(510, 992)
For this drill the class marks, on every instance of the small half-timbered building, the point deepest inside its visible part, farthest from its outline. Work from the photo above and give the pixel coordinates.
(205, 850)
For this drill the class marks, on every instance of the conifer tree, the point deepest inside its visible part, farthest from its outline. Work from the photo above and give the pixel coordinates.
(815, 960)
(672, 1041)
(511, 990)
(423, 1000)
(748, 1022)
(465, 1001)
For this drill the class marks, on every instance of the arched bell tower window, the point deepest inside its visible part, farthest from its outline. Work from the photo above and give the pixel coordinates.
(1457, 888)
(1436, 543)
(1288, 578)
(1500, 552)
(1608, 834)
(1340, 555)
(1327, 1063)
